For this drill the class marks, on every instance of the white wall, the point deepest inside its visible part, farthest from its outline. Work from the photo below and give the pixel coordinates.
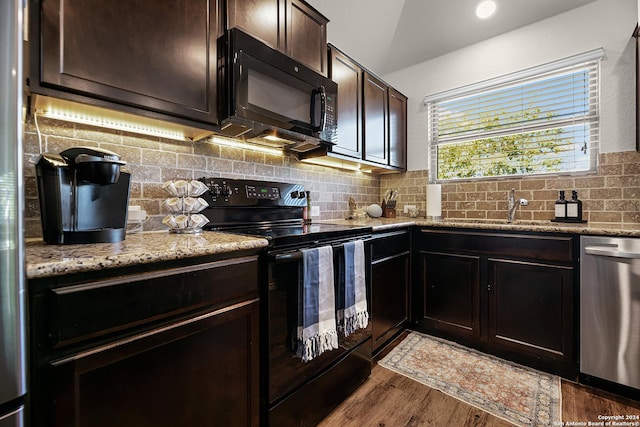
(605, 23)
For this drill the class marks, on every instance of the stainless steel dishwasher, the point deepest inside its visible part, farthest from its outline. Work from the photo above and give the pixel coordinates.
(610, 309)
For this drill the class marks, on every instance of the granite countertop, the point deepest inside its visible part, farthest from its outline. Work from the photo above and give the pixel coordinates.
(376, 224)
(381, 224)
(147, 247)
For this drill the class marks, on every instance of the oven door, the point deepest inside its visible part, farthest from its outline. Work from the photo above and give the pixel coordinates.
(286, 371)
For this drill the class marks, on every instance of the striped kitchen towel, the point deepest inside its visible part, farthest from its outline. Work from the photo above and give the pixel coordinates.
(316, 304)
(352, 292)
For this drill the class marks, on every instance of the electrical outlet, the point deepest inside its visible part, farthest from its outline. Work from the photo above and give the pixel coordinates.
(315, 210)
(409, 208)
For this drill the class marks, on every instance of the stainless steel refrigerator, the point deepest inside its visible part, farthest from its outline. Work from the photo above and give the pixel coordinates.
(12, 282)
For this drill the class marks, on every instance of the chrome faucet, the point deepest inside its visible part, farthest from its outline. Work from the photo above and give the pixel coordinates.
(513, 205)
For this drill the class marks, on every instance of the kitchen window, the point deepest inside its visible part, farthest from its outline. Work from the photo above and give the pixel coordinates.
(543, 120)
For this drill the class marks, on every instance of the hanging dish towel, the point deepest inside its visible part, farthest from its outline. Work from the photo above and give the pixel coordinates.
(352, 293)
(316, 304)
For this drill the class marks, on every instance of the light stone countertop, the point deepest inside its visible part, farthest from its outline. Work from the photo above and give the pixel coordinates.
(147, 247)
(376, 224)
(53, 260)
(381, 224)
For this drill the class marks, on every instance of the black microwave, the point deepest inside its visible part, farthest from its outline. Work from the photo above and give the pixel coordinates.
(269, 98)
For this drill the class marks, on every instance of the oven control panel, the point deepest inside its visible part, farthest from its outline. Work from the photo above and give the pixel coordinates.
(243, 192)
(262, 192)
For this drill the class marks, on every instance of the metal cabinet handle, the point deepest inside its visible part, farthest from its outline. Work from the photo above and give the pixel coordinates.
(611, 251)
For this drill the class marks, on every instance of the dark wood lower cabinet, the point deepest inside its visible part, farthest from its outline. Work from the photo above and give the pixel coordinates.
(160, 347)
(198, 372)
(390, 286)
(530, 308)
(507, 293)
(451, 296)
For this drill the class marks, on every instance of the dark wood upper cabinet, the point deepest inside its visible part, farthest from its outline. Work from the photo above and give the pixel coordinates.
(348, 74)
(372, 117)
(636, 34)
(259, 18)
(375, 101)
(156, 56)
(306, 35)
(291, 26)
(397, 129)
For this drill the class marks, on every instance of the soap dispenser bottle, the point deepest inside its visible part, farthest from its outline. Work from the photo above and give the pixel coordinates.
(574, 207)
(561, 207)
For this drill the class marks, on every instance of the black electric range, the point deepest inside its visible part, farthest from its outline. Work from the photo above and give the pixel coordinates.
(295, 392)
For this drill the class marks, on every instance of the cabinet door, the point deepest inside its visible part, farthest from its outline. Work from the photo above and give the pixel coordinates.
(397, 129)
(261, 19)
(389, 297)
(450, 293)
(375, 120)
(530, 308)
(160, 56)
(198, 372)
(348, 75)
(306, 35)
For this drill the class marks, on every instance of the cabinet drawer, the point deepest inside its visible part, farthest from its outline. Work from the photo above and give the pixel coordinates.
(143, 380)
(388, 244)
(539, 246)
(93, 309)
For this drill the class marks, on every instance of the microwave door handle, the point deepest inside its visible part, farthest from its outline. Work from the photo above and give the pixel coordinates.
(323, 108)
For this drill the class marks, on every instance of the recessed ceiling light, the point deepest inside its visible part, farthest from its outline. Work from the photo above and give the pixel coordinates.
(486, 8)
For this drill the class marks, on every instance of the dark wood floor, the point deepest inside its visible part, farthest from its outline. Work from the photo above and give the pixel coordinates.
(388, 399)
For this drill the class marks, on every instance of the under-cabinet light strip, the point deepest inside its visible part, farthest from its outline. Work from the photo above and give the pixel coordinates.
(245, 145)
(335, 164)
(123, 125)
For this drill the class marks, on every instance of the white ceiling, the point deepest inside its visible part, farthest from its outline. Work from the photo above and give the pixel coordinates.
(389, 35)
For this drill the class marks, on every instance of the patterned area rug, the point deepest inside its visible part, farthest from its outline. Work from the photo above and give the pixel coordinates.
(517, 394)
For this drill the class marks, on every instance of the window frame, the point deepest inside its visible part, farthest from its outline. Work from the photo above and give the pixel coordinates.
(590, 59)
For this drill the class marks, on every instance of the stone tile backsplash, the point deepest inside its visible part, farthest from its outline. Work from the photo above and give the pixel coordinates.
(152, 161)
(610, 198)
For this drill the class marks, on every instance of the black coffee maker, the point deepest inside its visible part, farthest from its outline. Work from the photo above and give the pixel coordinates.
(84, 196)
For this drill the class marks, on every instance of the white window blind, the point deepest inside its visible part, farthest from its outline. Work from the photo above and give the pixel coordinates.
(538, 121)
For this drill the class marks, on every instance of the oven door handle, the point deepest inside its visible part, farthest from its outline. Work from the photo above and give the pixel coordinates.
(296, 255)
(288, 257)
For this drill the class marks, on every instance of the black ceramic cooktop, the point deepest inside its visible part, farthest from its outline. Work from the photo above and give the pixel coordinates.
(304, 234)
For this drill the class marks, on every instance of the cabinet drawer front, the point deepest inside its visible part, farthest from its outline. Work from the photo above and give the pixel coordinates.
(98, 308)
(197, 372)
(389, 244)
(539, 247)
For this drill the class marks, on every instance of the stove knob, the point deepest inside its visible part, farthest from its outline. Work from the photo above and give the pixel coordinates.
(226, 191)
(215, 190)
(294, 194)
